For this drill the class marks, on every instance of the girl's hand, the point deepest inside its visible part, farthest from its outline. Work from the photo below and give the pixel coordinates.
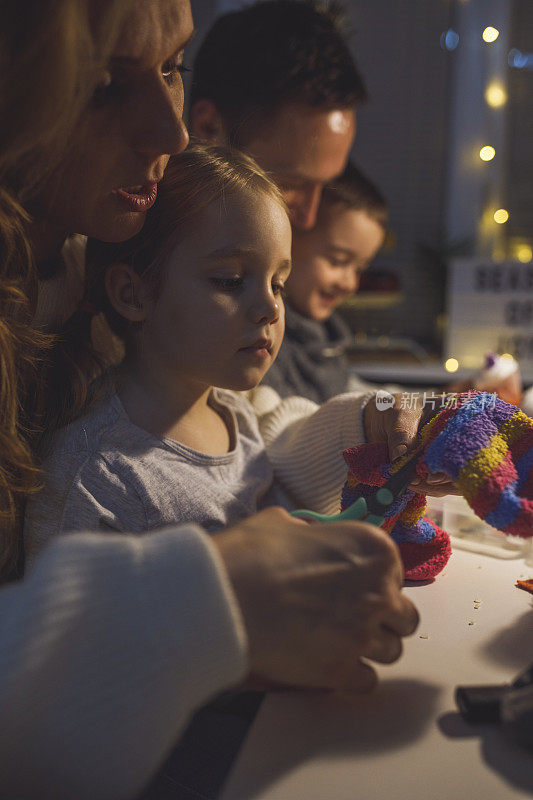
(398, 427)
(437, 485)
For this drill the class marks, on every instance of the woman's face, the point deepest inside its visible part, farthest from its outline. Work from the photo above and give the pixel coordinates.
(121, 146)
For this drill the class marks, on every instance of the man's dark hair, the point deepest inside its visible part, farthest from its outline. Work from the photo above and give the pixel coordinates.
(354, 190)
(255, 60)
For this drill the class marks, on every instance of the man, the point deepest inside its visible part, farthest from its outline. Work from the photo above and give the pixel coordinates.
(278, 81)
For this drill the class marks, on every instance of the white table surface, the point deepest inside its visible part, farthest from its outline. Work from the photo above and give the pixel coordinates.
(406, 740)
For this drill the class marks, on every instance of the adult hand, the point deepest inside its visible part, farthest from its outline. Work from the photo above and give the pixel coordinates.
(398, 426)
(317, 599)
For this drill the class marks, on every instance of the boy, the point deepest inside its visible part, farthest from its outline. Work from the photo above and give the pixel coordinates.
(327, 263)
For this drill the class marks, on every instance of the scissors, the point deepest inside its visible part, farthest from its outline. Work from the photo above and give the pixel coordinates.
(372, 508)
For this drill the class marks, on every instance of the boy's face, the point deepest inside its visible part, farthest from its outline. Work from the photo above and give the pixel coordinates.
(328, 260)
(219, 319)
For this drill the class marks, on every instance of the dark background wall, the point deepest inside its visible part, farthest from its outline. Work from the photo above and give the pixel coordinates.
(519, 168)
(402, 143)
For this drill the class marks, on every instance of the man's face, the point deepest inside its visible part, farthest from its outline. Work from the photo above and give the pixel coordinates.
(303, 148)
(121, 146)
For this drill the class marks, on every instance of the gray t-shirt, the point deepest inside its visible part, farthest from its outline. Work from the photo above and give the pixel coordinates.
(105, 473)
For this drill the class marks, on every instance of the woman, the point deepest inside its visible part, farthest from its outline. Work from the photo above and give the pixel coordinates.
(74, 183)
(97, 680)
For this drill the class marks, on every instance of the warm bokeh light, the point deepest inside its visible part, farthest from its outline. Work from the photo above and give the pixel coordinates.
(507, 356)
(495, 95)
(524, 253)
(501, 216)
(490, 34)
(487, 153)
(451, 365)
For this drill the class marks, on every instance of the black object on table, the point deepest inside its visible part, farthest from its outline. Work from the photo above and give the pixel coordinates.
(198, 766)
(509, 703)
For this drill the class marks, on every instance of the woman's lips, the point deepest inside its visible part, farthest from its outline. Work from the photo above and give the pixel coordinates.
(138, 198)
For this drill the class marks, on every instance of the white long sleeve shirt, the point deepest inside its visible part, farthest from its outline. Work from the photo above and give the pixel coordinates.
(107, 647)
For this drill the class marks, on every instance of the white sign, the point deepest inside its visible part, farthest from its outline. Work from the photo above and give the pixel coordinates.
(490, 308)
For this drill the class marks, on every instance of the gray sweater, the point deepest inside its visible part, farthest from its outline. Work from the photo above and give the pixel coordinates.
(105, 473)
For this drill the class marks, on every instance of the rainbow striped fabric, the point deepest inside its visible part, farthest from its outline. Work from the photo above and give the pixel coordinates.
(424, 547)
(486, 447)
(368, 468)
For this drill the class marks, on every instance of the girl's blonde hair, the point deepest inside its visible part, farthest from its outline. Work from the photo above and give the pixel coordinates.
(51, 56)
(193, 180)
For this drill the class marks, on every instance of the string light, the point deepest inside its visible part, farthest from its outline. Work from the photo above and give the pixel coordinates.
(501, 216)
(449, 39)
(519, 60)
(490, 34)
(487, 153)
(495, 95)
(524, 253)
(451, 365)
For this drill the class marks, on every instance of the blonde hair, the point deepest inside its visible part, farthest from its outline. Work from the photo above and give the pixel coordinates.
(51, 57)
(193, 181)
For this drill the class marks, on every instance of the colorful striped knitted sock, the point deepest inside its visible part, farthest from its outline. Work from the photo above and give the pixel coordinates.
(482, 444)
(485, 446)
(424, 547)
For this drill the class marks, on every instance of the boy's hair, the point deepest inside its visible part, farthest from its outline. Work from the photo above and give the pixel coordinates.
(255, 60)
(193, 180)
(354, 190)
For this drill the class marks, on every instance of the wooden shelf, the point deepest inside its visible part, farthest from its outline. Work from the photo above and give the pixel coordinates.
(374, 300)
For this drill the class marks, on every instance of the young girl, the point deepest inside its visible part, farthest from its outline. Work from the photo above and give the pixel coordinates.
(196, 299)
(327, 263)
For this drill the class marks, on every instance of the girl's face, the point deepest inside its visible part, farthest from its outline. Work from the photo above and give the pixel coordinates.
(122, 144)
(328, 260)
(219, 317)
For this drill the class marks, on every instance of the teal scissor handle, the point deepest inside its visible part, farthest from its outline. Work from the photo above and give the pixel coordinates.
(357, 511)
(379, 500)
